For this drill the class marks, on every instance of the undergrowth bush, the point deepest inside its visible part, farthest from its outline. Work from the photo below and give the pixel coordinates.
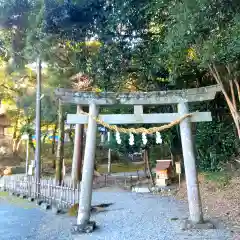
(216, 143)
(221, 179)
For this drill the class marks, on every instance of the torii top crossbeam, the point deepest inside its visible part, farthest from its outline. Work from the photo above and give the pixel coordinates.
(138, 98)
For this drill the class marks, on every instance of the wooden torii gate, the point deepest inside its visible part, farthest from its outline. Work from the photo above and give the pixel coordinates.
(138, 99)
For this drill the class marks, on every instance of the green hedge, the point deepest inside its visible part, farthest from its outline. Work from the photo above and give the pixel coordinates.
(216, 143)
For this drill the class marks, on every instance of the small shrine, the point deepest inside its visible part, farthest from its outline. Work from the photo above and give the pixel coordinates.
(164, 172)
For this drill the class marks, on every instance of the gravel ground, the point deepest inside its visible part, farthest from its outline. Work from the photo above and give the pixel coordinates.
(131, 217)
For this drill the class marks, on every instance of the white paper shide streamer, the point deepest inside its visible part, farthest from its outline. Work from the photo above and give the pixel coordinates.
(118, 138)
(109, 136)
(131, 139)
(144, 138)
(158, 138)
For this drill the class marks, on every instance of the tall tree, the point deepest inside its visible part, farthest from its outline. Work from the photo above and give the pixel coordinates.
(205, 34)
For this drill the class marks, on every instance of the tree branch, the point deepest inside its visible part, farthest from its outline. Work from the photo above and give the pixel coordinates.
(217, 77)
(238, 88)
(233, 95)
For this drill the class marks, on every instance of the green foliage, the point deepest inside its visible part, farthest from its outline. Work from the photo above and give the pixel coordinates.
(48, 107)
(124, 148)
(147, 45)
(216, 142)
(201, 33)
(27, 128)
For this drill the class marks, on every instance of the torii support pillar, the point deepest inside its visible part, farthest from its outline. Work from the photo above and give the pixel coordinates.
(83, 219)
(78, 151)
(194, 200)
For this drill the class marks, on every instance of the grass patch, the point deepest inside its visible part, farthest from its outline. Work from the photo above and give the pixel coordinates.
(4, 194)
(221, 179)
(16, 201)
(49, 160)
(121, 167)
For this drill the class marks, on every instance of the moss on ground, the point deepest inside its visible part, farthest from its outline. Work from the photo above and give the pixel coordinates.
(4, 194)
(16, 201)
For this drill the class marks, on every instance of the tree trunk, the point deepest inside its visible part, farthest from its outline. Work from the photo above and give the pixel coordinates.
(45, 135)
(235, 107)
(148, 167)
(29, 132)
(54, 145)
(233, 110)
(70, 135)
(31, 144)
(145, 163)
(238, 89)
(17, 46)
(15, 133)
(16, 144)
(60, 148)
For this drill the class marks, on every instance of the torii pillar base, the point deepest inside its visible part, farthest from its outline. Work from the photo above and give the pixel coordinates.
(84, 228)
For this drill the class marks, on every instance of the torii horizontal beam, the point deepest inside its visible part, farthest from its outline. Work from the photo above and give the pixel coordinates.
(155, 118)
(138, 98)
(139, 117)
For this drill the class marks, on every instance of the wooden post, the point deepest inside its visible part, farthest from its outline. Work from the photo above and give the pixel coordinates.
(78, 151)
(38, 128)
(109, 161)
(102, 138)
(109, 154)
(60, 149)
(27, 155)
(178, 171)
(54, 144)
(194, 201)
(88, 169)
